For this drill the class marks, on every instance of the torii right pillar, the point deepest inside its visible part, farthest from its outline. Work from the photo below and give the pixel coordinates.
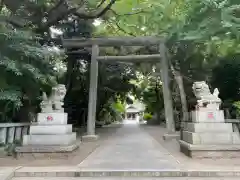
(168, 105)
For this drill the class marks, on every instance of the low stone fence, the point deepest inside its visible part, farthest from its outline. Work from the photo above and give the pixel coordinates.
(11, 132)
(235, 123)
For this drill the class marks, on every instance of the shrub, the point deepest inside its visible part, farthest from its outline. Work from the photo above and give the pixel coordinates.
(147, 116)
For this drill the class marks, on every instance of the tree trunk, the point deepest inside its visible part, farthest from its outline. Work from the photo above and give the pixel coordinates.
(69, 74)
(227, 113)
(158, 102)
(183, 98)
(179, 81)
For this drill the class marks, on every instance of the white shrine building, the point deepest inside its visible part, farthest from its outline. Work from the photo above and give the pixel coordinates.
(134, 112)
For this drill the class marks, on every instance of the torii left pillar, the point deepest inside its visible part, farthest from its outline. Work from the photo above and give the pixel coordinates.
(168, 105)
(92, 102)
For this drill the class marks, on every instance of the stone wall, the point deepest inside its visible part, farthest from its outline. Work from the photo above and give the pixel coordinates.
(235, 123)
(10, 132)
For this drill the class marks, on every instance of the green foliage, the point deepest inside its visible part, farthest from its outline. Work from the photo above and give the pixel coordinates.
(226, 77)
(113, 79)
(26, 67)
(153, 99)
(147, 116)
(112, 111)
(149, 90)
(113, 84)
(199, 33)
(237, 106)
(32, 68)
(118, 106)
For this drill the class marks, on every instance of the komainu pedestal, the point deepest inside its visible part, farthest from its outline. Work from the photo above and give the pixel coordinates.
(52, 134)
(207, 135)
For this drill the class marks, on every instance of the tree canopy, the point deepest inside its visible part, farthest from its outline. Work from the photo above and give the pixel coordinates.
(202, 38)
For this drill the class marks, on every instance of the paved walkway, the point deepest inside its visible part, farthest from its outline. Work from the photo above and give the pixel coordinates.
(130, 149)
(126, 178)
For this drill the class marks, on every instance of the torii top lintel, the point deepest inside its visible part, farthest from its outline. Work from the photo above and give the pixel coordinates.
(112, 41)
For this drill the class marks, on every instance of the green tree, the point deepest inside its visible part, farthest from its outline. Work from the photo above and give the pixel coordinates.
(27, 68)
(197, 33)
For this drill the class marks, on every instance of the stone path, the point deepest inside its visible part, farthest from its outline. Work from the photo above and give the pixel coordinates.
(132, 153)
(130, 149)
(124, 178)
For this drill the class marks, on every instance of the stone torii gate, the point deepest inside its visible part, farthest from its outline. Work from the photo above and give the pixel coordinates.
(123, 41)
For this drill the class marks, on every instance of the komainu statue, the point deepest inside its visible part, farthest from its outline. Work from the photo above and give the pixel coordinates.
(205, 99)
(58, 94)
(46, 104)
(55, 102)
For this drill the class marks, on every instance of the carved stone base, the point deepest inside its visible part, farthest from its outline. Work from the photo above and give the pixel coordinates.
(210, 151)
(49, 139)
(207, 116)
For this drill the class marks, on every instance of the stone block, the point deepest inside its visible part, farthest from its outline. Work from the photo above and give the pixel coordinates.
(18, 133)
(25, 130)
(172, 136)
(51, 129)
(208, 127)
(190, 137)
(11, 134)
(3, 135)
(54, 140)
(216, 138)
(210, 116)
(208, 138)
(47, 149)
(89, 138)
(210, 151)
(52, 118)
(236, 138)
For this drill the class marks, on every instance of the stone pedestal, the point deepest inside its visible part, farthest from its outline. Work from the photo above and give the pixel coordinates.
(52, 134)
(208, 136)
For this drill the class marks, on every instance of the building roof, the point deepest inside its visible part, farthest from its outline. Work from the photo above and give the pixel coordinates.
(135, 107)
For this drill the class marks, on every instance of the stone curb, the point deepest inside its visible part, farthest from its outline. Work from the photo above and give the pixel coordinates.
(10, 175)
(7, 176)
(130, 173)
